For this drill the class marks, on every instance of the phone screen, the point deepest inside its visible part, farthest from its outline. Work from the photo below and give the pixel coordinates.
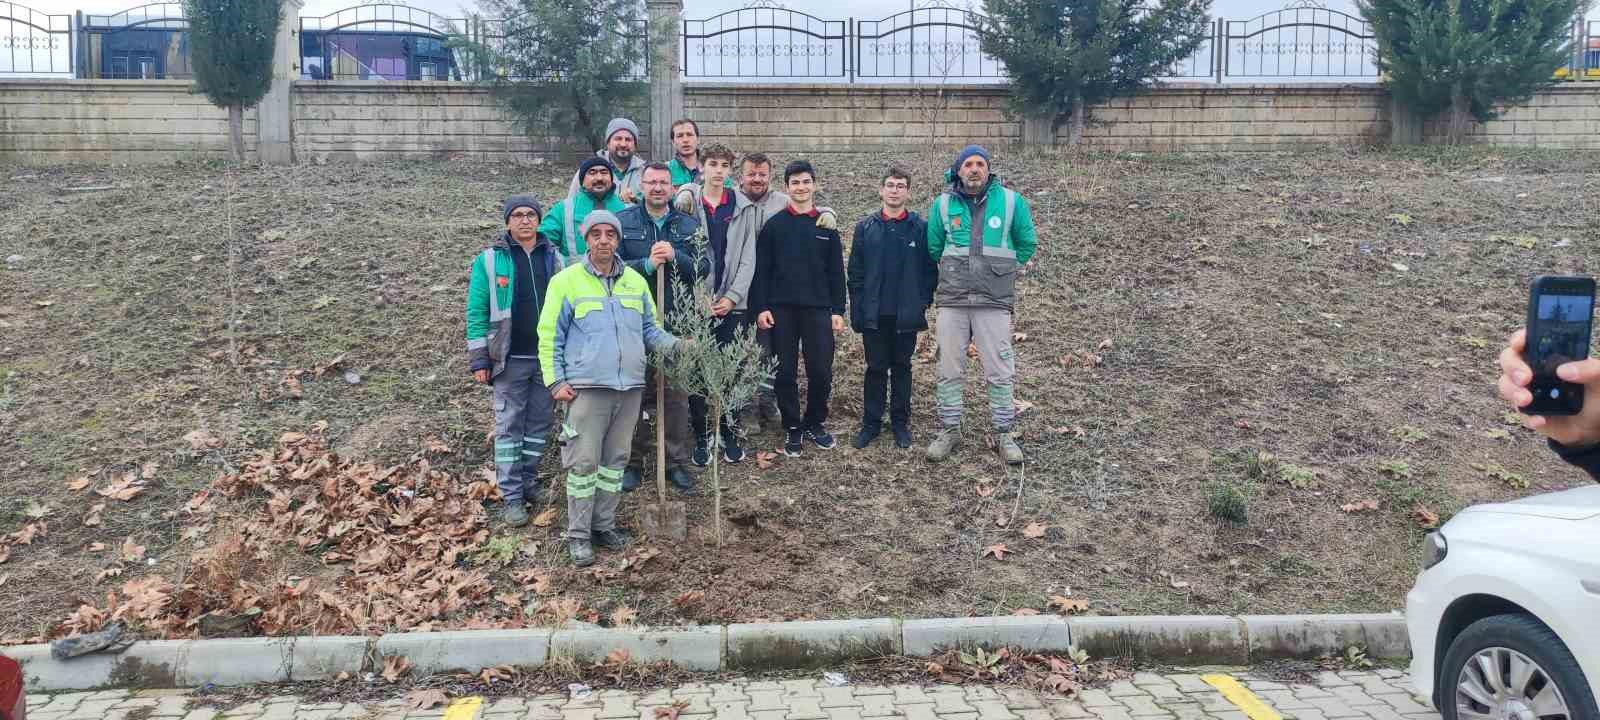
(1563, 331)
(1559, 318)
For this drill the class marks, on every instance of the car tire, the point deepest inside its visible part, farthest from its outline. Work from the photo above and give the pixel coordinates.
(1523, 634)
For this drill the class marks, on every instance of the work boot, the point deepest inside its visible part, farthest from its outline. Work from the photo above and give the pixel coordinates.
(630, 479)
(535, 494)
(902, 437)
(614, 539)
(514, 514)
(944, 444)
(682, 480)
(1005, 443)
(582, 553)
(866, 436)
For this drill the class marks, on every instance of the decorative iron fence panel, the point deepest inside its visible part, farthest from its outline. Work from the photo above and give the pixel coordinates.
(766, 41)
(512, 34)
(1303, 41)
(34, 44)
(380, 42)
(935, 43)
(149, 42)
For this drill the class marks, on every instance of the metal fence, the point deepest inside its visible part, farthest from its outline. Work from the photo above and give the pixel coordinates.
(149, 42)
(1302, 41)
(34, 44)
(766, 40)
(379, 42)
(935, 43)
(519, 34)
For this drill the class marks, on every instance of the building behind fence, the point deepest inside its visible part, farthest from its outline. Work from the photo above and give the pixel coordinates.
(764, 42)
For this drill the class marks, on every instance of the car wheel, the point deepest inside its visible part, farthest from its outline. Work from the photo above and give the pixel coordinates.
(1512, 667)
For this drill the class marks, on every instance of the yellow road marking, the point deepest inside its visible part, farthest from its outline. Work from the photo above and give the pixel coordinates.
(463, 708)
(1241, 696)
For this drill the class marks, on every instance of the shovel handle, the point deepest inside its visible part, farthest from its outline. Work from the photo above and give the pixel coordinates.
(661, 396)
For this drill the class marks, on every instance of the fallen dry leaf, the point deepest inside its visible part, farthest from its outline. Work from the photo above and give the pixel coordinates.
(935, 668)
(78, 484)
(1022, 406)
(1018, 337)
(764, 460)
(618, 657)
(1360, 506)
(491, 675)
(1068, 605)
(1104, 345)
(689, 598)
(545, 518)
(29, 532)
(1033, 530)
(998, 550)
(670, 712)
(202, 440)
(148, 470)
(123, 489)
(131, 552)
(1428, 519)
(426, 699)
(1025, 611)
(972, 350)
(97, 547)
(395, 666)
(623, 616)
(985, 490)
(93, 517)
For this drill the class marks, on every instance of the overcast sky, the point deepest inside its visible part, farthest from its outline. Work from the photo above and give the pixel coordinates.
(830, 9)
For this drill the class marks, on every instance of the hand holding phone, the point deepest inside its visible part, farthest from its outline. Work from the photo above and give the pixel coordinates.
(1560, 317)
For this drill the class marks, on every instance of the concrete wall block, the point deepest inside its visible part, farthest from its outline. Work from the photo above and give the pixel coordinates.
(470, 650)
(1561, 112)
(925, 638)
(1181, 639)
(767, 646)
(237, 661)
(694, 648)
(319, 658)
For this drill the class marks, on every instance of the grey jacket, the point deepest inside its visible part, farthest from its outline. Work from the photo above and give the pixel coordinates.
(739, 260)
(630, 176)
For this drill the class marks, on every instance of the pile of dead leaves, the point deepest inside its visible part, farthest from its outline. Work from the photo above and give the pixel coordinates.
(400, 533)
(1063, 675)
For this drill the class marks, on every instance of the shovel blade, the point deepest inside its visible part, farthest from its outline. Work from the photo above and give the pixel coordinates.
(665, 520)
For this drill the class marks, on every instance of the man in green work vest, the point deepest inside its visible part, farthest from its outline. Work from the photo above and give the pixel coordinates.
(980, 233)
(597, 188)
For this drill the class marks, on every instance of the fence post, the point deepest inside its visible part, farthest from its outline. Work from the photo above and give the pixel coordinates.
(275, 114)
(80, 64)
(1220, 41)
(663, 34)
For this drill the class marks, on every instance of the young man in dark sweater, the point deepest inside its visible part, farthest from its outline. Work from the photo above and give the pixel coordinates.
(891, 281)
(799, 293)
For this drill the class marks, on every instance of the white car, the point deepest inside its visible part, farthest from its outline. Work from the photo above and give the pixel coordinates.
(1505, 616)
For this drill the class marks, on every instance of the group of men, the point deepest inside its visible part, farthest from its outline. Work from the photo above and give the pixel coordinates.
(560, 310)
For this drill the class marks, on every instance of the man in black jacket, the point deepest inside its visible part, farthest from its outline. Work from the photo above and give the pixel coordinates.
(657, 238)
(1575, 438)
(891, 281)
(799, 294)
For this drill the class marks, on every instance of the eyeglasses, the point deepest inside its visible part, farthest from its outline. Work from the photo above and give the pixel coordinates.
(656, 182)
(525, 216)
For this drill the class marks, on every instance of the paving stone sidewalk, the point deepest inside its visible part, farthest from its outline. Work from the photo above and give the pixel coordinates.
(1377, 695)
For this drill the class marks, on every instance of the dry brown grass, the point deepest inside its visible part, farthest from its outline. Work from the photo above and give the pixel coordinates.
(1252, 302)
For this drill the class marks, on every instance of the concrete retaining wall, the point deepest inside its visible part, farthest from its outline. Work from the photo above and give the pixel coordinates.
(62, 121)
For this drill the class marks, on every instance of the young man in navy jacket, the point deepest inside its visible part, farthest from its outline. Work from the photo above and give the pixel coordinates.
(891, 281)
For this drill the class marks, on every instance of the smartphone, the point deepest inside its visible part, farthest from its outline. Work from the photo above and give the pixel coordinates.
(1560, 316)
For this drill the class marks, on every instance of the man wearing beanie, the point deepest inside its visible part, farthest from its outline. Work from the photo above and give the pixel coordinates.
(508, 282)
(980, 233)
(621, 154)
(598, 189)
(596, 328)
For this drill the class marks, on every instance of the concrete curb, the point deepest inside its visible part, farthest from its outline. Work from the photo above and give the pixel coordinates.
(1178, 640)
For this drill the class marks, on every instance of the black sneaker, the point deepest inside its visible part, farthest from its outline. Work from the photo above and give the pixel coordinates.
(865, 437)
(792, 446)
(902, 437)
(702, 450)
(732, 454)
(820, 437)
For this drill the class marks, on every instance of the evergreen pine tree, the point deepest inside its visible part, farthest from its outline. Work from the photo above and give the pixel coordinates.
(1065, 55)
(231, 43)
(562, 65)
(1469, 57)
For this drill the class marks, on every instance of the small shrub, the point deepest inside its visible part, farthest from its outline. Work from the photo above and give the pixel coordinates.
(1229, 502)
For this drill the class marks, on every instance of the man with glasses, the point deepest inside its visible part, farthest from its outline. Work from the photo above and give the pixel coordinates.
(656, 238)
(891, 281)
(504, 298)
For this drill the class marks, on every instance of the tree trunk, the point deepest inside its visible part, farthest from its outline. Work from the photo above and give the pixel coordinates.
(236, 132)
(716, 475)
(1460, 119)
(1075, 131)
